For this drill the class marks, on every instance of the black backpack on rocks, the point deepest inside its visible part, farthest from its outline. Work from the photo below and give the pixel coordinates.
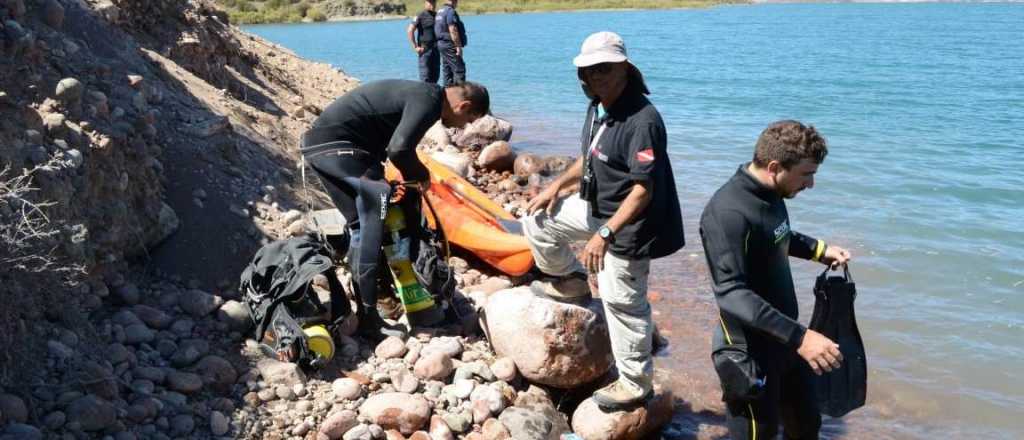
(277, 289)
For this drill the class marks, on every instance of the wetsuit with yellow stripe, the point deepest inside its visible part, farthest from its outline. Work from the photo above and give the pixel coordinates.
(748, 241)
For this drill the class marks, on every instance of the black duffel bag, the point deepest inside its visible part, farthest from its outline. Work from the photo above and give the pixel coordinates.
(844, 389)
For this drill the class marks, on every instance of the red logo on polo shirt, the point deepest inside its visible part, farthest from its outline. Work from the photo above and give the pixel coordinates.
(645, 155)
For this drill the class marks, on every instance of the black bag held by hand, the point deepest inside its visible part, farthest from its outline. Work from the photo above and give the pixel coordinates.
(841, 390)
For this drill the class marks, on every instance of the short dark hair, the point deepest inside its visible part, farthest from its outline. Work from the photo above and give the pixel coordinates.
(477, 95)
(789, 142)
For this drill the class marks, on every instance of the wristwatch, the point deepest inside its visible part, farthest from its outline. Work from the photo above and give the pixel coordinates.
(606, 233)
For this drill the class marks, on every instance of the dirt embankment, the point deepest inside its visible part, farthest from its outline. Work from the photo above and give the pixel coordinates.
(153, 128)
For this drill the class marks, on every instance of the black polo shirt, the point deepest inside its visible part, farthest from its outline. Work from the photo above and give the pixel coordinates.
(633, 148)
(425, 29)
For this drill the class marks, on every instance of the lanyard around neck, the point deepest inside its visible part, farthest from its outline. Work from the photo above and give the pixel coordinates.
(596, 136)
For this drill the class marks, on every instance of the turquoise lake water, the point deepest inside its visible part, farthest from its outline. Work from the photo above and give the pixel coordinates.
(923, 108)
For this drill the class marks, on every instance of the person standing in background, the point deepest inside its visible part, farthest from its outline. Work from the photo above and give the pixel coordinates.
(424, 43)
(451, 38)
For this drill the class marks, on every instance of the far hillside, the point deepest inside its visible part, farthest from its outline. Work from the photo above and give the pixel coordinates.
(292, 11)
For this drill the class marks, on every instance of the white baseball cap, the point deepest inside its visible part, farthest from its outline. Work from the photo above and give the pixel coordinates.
(601, 47)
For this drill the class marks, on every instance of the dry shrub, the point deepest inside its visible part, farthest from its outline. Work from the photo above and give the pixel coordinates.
(34, 276)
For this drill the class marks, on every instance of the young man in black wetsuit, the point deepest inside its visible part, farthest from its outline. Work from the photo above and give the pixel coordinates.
(348, 144)
(424, 43)
(748, 241)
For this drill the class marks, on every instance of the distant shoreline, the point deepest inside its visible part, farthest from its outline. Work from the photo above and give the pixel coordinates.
(473, 11)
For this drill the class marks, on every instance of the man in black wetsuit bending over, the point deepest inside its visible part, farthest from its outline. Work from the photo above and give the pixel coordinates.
(348, 144)
(748, 241)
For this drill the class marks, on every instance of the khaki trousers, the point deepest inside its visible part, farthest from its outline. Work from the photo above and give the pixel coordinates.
(622, 284)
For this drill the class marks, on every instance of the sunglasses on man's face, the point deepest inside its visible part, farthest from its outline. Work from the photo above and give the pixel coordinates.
(598, 69)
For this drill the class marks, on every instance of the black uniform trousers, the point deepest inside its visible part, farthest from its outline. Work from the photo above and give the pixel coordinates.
(451, 63)
(430, 64)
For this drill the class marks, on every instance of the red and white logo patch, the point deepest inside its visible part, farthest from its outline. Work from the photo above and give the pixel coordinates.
(645, 155)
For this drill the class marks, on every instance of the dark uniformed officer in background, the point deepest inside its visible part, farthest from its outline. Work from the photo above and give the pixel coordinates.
(451, 36)
(424, 43)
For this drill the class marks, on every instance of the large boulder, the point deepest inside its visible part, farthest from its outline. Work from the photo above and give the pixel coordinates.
(484, 131)
(530, 164)
(555, 165)
(402, 411)
(592, 423)
(436, 137)
(456, 162)
(497, 156)
(551, 343)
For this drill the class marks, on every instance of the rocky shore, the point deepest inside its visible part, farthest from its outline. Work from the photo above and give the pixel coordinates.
(176, 361)
(162, 143)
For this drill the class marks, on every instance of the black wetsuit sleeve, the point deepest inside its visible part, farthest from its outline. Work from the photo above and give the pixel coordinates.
(725, 236)
(417, 117)
(806, 247)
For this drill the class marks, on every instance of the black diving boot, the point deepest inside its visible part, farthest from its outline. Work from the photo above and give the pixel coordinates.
(374, 328)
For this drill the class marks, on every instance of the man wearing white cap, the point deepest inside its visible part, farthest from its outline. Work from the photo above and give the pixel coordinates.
(626, 211)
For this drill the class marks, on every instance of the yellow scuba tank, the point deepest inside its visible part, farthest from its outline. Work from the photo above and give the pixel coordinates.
(418, 303)
(319, 341)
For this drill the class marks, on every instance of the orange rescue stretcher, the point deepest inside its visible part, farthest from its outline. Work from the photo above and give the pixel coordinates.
(471, 220)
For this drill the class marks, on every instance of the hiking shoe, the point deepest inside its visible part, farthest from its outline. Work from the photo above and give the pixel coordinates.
(619, 396)
(570, 289)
